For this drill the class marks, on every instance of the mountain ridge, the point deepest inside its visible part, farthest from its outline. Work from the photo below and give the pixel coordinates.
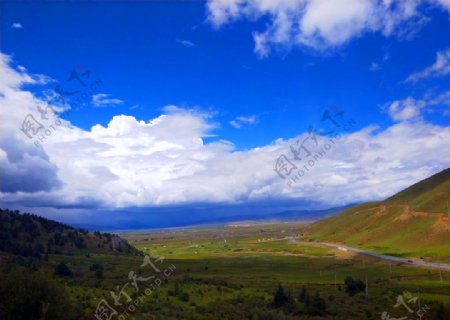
(412, 223)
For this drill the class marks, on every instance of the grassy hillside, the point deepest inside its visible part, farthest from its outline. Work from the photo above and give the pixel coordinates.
(429, 195)
(412, 223)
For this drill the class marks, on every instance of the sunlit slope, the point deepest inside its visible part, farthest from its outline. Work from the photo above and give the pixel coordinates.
(429, 195)
(414, 222)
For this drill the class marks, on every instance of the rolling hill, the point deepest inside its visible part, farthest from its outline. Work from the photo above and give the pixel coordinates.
(33, 236)
(412, 223)
(49, 270)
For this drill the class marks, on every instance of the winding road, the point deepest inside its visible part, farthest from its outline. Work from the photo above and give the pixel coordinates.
(408, 261)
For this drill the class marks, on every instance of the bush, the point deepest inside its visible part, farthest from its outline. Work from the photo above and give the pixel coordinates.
(62, 270)
(183, 296)
(441, 312)
(352, 287)
(95, 267)
(32, 296)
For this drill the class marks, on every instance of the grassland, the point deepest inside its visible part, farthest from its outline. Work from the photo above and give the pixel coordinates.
(222, 272)
(219, 267)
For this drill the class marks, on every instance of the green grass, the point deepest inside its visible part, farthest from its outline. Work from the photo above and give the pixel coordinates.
(233, 272)
(252, 266)
(412, 223)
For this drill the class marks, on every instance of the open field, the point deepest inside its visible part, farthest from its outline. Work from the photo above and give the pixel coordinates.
(219, 265)
(242, 271)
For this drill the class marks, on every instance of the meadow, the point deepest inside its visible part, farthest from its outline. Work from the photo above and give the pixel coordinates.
(234, 271)
(242, 271)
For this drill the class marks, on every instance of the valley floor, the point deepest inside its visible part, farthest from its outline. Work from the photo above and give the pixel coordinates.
(219, 267)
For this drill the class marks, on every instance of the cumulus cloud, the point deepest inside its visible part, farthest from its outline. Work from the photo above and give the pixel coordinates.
(165, 161)
(440, 67)
(406, 109)
(103, 100)
(240, 121)
(319, 24)
(24, 168)
(331, 23)
(16, 25)
(410, 108)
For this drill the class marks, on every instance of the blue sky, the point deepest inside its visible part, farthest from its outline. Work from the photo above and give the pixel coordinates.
(244, 77)
(137, 51)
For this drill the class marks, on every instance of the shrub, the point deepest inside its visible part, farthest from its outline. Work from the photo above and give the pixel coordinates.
(319, 305)
(62, 270)
(183, 296)
(352, 287)
(33, 296)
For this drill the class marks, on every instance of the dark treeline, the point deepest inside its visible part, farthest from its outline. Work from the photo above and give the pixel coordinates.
(30, 235)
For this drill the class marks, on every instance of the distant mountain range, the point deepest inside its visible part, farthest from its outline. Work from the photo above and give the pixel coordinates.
(413, 222)
(202, 219)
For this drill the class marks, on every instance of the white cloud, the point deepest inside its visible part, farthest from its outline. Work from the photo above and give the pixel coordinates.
(444, 3)
(136, 107)
(16, 25)
(328, 23)
(222, 11)
(103, 100)
(186, 43)
(240, 121)
(374, 67)
(410, 108)
(23, 166)
(318, 24)
(165, 161)
(440, 67)
(406, 109)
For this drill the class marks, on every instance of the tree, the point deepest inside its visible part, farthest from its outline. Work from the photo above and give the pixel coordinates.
(307, 301)
(280, 297)
(319, 305)
(302, 294)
